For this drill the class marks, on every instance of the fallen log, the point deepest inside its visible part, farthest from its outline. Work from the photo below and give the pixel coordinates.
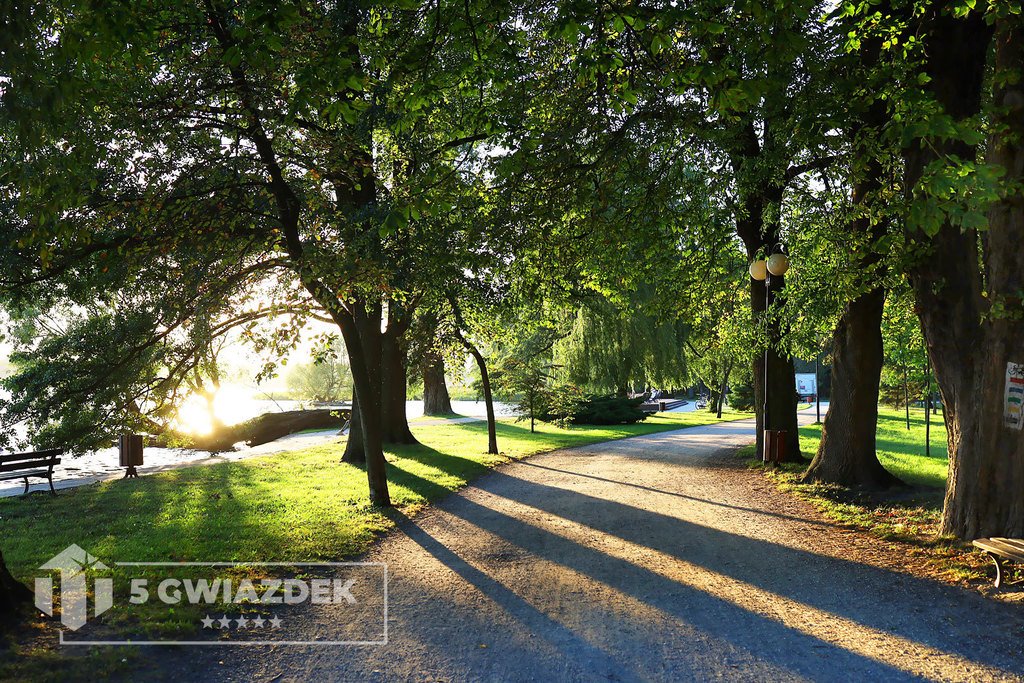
(272, 426)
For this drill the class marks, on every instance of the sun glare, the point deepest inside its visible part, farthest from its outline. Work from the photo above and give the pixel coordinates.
(231, 405)
(193, 416)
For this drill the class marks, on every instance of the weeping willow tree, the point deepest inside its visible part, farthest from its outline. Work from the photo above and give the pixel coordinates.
(613, 348)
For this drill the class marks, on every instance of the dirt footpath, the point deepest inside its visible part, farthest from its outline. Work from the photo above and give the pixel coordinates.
(655, 558)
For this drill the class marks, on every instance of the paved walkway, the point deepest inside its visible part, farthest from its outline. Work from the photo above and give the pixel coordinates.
(426, 422)
(655, 558)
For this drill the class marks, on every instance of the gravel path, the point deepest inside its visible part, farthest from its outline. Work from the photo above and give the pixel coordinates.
(651, 558)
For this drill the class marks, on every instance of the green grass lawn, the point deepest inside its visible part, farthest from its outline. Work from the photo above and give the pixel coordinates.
(297, 506)
(901, 451)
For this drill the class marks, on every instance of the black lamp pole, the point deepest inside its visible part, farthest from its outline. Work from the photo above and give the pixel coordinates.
(817, 391)
(767, 343)
(761, 269)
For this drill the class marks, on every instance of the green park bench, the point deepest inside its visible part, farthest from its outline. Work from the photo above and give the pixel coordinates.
(30, 464)
(1000, 548)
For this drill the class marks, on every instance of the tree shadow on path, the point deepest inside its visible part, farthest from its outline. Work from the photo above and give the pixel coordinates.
(946, 619)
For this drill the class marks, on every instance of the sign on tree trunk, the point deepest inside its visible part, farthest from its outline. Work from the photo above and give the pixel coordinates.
(1013, 417)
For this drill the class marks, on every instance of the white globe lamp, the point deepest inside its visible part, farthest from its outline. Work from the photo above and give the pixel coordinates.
(778, 264)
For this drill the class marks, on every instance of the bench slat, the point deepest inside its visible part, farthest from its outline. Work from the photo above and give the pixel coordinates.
(1017, 543)
(29, 464)
(27, 473)
(1007, 547)
(36, 455)
(31, 455)
(1003, 545)
(20, 461)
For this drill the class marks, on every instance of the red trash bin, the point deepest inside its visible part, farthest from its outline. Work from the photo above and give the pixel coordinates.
(774, 446)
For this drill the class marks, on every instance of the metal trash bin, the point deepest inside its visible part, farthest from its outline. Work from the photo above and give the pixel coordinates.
(774, 446)
(129, 448)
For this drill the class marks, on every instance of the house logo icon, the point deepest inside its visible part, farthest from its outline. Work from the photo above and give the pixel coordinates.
(72, 564)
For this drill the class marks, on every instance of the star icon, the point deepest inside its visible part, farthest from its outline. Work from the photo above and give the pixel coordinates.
(276, 622)
(224, 622)
(258, 622)
(207, 621)
(242, 622)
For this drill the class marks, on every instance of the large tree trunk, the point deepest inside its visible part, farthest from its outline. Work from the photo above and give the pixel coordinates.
(360, 328)
(354, 195)
(394, 382)
(363, 340)
(986, 472)
(847, 455)
(355, 450)
(974, 340)
(389, 368)
(992, 465)
(14, 595)
(436, 400)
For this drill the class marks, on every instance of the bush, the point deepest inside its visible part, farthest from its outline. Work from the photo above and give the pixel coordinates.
(562, 404)
(742, 397)
(609, 410)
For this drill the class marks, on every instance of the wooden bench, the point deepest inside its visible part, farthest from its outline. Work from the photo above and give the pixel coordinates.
(30, 464)
(998, 548)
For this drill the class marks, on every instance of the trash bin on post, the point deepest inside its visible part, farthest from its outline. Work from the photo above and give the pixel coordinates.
(130, 453)
(774, 446)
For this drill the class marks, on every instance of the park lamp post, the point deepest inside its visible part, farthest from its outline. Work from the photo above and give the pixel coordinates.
(763, 270)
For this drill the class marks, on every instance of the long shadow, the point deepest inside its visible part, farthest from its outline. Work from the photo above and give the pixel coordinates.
(452, 465)
(95, 525)
(537, 622)
(938, 450)
(225, 511)
(916, 419)
(837, 586)
(718, 618)
(802, 520)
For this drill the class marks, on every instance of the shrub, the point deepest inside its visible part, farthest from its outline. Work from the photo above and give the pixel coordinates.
(609, 410)
(742, 397)
(563, 403)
